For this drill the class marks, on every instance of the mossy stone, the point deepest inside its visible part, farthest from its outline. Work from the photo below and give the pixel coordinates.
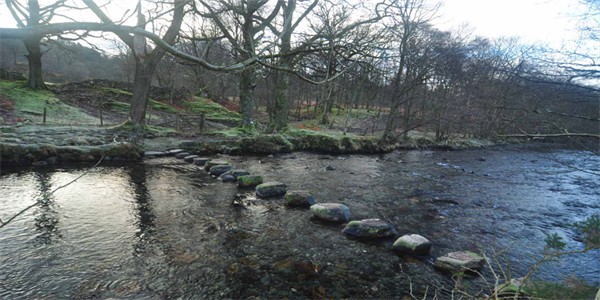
(248, 181)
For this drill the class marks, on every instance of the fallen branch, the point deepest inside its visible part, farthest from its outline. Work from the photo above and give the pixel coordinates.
(4, 223)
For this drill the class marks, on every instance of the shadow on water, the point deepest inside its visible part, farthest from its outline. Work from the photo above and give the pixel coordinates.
(46, 216)
(138, 176)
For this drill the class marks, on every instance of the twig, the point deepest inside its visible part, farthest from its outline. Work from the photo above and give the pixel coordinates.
(4, 223)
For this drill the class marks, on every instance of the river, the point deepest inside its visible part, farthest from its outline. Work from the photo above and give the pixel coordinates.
(163, 228)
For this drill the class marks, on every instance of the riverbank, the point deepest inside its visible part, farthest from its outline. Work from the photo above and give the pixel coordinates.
(40, 145)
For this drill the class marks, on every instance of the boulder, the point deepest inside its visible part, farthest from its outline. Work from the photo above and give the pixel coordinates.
(214, 162)
(239, 172)
(219, 169)
(369, 229)
(181, 155)
(299, 198)
(332, 212)
(190, 158)
(412, 244)
(270, 189)
(247, 181)
(460, 261)
(200, 161)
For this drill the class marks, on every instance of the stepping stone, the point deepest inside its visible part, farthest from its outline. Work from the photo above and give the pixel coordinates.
(173, 152)
(247, 181)
(299, 198)
(219, 169)
(190, 158)
(200, 161)
(214, 162)
(331, 212)
(412, 244)
(369, 229)
(181, 155)
(460, 261)
(270, 189)
(154, 154)
(231, 176)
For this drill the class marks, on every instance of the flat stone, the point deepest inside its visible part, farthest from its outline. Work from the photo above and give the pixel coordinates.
(232, 175)
(173, 152)
(270, 189)
(460, 261)
(190, 158)
(200, 161)
(154, 153)
(332, 212)
(369, 229)
(299, 198)
(214, 162)
(412, 244)
(247, 181)
(181, 155)
(219, 169)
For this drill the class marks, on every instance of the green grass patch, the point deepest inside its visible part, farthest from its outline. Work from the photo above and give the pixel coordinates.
(29, 104)
(160, 106)
(212, 111)
(235, 132)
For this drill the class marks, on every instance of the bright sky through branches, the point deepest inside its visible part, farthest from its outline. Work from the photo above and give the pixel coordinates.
(550, 22)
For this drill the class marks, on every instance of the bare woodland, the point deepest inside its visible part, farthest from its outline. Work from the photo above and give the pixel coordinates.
(311, 58)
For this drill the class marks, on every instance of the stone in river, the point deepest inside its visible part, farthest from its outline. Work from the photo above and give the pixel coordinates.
(299, 198)
(154, 153)
(270, 189)
(181, 155)
(200, 161)
(190, 158)
(247, 181)
(369, 229)
(174, 152)
(219, 169)
(332, 212)
(412, 244)
(460, 261)
(213, 162)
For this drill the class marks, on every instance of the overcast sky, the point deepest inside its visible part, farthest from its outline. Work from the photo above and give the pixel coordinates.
(552, 22)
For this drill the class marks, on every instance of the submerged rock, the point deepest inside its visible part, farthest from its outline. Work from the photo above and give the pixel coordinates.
(270, 189)
(412, 244)
(369, 229)
(219, 169)
(332, 212)
(460, 261)
(299, 198)
(247, 181)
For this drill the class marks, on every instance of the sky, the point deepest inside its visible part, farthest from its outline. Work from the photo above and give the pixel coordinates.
(550, 22)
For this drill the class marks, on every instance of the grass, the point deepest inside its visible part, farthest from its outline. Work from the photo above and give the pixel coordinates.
(212, 111)
(29, 105)
(570, 288)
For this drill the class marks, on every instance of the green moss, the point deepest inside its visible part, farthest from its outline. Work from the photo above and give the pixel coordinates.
(570, 288)
(266, 143)
(212, 110)
(246, 181)
(30, 104)
(160, 106)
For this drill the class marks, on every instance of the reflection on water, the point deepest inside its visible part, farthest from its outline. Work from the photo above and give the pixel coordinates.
(165, 229)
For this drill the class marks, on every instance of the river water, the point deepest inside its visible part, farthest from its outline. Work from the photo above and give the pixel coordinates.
(166, 229)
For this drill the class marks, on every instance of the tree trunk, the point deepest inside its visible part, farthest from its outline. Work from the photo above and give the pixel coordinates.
(141, 91)
(247, 85)
(279, 116)
(35, 80)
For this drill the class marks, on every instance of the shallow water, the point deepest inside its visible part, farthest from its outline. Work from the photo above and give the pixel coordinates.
(165, 229)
